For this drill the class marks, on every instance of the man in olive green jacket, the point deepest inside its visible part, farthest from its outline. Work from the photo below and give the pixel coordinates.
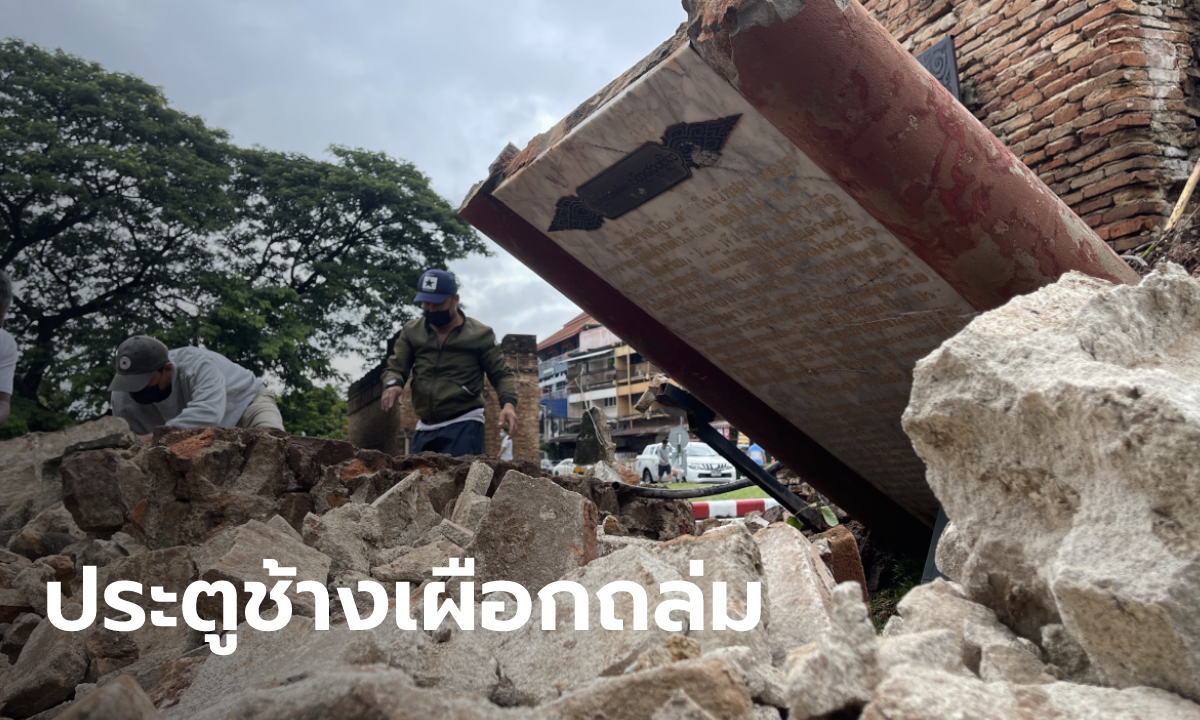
(447, 355)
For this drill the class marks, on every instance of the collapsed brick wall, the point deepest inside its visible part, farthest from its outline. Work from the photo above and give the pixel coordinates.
(371, 428)
(1096, 96)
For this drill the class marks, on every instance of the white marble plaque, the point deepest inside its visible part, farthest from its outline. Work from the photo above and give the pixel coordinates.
(764, 265)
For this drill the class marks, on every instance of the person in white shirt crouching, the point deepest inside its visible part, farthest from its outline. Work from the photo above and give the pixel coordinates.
(186, 387)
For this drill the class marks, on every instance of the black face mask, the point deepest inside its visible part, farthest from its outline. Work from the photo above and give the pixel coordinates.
(151, 395)
(437, 318)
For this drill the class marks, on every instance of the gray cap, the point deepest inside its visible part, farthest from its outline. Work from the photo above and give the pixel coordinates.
(138, 358)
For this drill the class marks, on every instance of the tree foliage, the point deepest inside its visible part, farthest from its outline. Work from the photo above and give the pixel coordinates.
(121, 215)
(320, 412)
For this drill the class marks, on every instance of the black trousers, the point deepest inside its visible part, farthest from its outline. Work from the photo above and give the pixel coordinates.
(461, 438)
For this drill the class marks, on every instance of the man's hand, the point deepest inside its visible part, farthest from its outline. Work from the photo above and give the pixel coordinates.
(508, 416)
(146, 438)
(393, 396)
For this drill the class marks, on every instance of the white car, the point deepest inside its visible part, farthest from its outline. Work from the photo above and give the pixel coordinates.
(703, 465)
(567, 466)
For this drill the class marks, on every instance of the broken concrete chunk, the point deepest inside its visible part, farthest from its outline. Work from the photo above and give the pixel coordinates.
(952, 553)
(121, 699)
(681, 707)
(714, 685)
(845, 562)
(799, 589)
(449, 531)
(937, 649)
(533, 533)
(728, 555)
(405, 512)
(655, 519)
(605, 473)
(608, 544)
(1068, 661)
(365, 692)
(283, 526)
(33, 581)
(1038, 423)
(1000, 663)
(348, 535)
(911, 692)
(839, 672)
(101, 487)
(479, 479)
(942, 604)
(172, 570)
(52, 663)
(470, 509)
(272, 660)
(12, 605)
(239, 554)
(30, 479)
(766, 683)
(17, 634)
(49, 533)
(416, 566)
(672, 650)
(537, 663)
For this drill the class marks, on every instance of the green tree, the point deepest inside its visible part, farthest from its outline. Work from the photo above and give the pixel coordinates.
(319, 412)
(120, 215)
(108, 198)
(334, 250)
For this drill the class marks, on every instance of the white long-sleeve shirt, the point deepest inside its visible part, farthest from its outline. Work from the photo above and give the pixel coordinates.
(8, 361)
(207, 390)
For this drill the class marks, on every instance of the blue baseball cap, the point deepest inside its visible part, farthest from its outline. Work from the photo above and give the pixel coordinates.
(435, 286)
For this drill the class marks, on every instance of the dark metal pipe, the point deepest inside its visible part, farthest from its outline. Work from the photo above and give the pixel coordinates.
(684, 494)
(779, 492)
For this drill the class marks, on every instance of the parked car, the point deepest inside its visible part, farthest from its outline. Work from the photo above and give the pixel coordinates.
(704, 465)
(547, 463)
(567, 466)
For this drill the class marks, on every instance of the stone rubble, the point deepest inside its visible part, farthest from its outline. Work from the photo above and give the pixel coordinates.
(1062, 436)
(1015, 634)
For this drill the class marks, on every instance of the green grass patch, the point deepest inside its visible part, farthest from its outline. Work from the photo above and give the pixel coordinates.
(744, 494)
(906, 573)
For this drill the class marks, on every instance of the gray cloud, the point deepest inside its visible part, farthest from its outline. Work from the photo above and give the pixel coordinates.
(442, 84)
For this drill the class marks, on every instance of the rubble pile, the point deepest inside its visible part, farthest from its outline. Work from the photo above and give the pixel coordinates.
(1060, 433)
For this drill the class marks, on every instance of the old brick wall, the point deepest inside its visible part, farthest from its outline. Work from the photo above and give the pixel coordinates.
(370, 427)
(1096, 96)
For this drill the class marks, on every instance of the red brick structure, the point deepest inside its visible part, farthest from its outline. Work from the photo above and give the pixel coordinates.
(371, 428)
(1096, 96)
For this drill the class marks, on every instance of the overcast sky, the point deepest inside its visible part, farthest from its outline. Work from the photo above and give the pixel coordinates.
(443, 84)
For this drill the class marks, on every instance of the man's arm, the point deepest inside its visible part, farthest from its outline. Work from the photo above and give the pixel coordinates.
(399, 364)
(206, 408)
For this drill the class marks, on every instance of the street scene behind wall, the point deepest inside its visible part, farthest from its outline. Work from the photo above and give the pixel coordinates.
(791, 360)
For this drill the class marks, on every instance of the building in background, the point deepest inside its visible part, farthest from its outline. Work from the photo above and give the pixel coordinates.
(587, 365)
